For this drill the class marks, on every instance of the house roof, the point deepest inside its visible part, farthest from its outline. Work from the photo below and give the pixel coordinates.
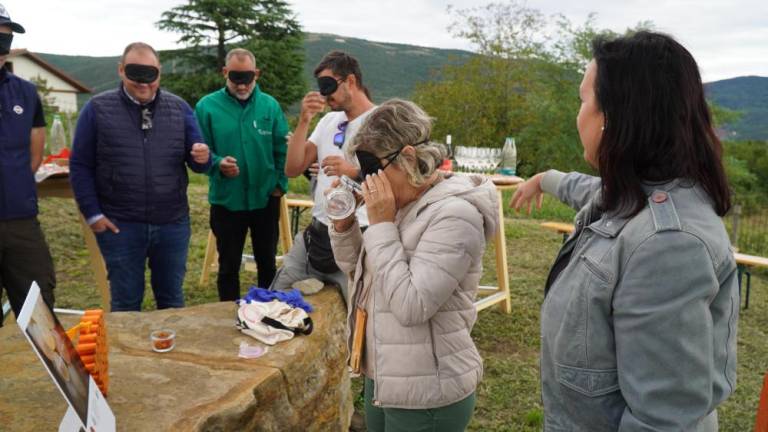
(82, 88)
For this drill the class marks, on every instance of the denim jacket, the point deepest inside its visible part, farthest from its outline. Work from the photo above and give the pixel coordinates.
(638, 324)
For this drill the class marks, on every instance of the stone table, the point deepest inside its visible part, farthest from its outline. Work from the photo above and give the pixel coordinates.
(202, 385)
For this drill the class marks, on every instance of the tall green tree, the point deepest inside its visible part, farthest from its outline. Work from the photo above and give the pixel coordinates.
(210, 28)
(523, 83)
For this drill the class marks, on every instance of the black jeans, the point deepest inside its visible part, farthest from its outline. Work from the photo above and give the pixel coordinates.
(230, 229)
(24, 257)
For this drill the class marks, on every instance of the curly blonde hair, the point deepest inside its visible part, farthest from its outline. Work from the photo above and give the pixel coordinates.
(393, 125)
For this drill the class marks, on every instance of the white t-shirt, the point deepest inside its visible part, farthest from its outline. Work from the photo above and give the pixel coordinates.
(322, 137)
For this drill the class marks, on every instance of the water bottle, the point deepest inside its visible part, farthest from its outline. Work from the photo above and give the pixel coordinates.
(509, 157)
(340, 203)
(58, 141)
(448, 162)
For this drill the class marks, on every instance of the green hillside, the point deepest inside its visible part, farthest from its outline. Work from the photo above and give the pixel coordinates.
(393, 70)
(749, 95)
(389, 70)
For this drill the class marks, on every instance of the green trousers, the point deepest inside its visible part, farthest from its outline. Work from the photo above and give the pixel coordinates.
(451, 418)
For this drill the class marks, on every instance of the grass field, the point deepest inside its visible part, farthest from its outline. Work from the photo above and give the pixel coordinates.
(509, 396)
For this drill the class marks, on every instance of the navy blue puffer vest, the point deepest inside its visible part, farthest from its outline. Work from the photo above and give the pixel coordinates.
(140, 174)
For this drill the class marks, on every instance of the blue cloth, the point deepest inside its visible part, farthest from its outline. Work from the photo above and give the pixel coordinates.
(292, 297)
(125, 172)
(126, 253)
(18, 104)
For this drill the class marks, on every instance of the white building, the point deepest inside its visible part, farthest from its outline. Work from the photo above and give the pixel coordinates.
(64, 88)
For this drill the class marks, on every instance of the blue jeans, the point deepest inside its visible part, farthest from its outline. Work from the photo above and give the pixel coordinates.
(126, 254)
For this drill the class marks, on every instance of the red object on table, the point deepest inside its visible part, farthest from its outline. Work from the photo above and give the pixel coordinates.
(63, 154)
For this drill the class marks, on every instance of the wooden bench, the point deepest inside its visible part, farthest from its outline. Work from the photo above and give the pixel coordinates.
(560, 227)
(297, 206)
(743, 261)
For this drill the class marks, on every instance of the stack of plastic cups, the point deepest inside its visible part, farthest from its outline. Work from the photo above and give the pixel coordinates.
(93, 349)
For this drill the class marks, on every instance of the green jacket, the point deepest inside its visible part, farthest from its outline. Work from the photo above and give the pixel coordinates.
(253, 134)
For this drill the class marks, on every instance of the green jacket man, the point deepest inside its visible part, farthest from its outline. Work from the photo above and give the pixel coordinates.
(246, 130)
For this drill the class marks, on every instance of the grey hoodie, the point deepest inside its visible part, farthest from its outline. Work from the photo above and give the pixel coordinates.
(422, 272)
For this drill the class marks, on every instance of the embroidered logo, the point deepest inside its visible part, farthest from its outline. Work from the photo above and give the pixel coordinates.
(255, 125)
(18, 109)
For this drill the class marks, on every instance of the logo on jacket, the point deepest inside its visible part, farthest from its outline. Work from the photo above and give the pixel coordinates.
(255, 125)
(18, 109)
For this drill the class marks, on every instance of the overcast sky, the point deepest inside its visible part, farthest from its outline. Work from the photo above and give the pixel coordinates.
(728, 38)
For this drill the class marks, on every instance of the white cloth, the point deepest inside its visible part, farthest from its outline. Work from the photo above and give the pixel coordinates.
(250, 316)
(322, 138)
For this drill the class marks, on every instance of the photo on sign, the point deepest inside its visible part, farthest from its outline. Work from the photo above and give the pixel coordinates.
(52, 345)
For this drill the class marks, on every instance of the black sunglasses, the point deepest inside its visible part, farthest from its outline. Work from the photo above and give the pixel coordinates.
(146, 118)
(338, 139)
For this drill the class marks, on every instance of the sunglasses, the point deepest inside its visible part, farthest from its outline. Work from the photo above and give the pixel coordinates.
(338, 139)
(328, 85)
(146, 119)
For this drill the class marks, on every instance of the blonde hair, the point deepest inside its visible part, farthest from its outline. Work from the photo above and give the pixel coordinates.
(393, 125)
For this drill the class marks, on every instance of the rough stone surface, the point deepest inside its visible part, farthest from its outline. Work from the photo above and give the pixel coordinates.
(202, 385)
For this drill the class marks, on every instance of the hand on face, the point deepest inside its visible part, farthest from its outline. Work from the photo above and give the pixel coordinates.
(379, 198)
(228, 167)
(312, 104)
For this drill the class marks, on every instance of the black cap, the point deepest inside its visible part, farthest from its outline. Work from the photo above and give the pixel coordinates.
(5, 19)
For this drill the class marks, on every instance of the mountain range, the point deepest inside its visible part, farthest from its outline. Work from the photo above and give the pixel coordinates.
(393, 70)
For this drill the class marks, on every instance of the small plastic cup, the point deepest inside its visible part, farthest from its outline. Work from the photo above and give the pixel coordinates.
(163, 340)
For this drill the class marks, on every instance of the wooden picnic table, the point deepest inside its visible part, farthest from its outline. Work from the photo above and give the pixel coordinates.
(743, 261)
(58, 186)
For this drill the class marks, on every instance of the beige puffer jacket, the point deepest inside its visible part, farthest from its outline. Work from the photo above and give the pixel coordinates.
(427, 266)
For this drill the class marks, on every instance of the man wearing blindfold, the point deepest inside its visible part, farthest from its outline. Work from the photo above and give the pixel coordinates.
(24, 254)
(129, 173)
(340, 85)
(246, 130)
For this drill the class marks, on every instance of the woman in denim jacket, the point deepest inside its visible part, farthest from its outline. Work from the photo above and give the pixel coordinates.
(638, 325)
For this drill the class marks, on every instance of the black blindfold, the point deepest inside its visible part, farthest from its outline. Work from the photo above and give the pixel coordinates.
(371, 164)
(143, 74)
(327, 85)
(241, 77)
(5, 43)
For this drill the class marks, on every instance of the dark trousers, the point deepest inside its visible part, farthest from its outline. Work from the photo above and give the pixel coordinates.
(24, 258)
(230, 229)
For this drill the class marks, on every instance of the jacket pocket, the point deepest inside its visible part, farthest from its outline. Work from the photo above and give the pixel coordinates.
(589, 382)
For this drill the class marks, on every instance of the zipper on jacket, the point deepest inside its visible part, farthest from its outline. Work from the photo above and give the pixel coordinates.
(434, 349)
(376, 382)
(147, 176)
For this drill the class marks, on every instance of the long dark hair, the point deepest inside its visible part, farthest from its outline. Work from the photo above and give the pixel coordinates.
(657, 123)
